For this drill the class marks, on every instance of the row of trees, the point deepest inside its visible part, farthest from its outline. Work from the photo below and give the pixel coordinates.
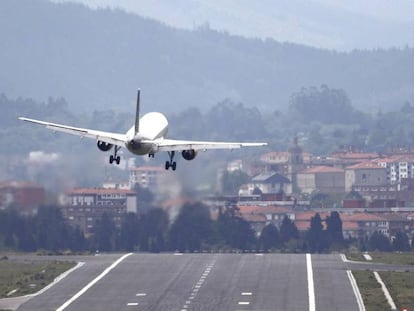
(193, 230)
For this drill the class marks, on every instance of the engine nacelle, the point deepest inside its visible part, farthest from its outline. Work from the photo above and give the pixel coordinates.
(189, 154)
(103, 146)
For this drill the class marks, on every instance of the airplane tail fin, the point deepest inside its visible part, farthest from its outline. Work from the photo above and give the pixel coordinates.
(137, 116)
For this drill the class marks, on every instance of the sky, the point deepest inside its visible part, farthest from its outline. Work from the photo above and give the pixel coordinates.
(332, 24)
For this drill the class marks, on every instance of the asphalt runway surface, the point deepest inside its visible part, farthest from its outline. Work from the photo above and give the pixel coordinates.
(187, 282)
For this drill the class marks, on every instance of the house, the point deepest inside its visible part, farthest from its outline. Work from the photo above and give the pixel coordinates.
(323, 179)
(398, 167)
(367, 173)
(147, 177)
(266, 183)
(85, 206)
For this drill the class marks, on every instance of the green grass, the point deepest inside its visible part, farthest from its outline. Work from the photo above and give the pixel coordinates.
(393, 258)
(401, 287)
(374, 299)
(380, 257)
(28, 276)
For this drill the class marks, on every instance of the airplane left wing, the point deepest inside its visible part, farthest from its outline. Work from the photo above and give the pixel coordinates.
(107, 137)
(179, 145)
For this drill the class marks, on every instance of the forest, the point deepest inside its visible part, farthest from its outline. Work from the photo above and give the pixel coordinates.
(97, 59)
(193, 230)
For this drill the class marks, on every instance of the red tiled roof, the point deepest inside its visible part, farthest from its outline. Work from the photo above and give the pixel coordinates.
(350, 225)
(271, 210)
(354, 155)
(362, 217)
(248, 209)
(365, 165)
(322, 169)
(302, 216)
(254, 217)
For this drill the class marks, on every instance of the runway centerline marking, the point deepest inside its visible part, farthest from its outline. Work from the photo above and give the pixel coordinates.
(131, 304)
(92, 283)
(311, 286)
(244, 303)
(141, 294)
(246, 294)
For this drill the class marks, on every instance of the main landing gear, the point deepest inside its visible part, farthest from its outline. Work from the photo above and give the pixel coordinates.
(171, 163)
(115, 157)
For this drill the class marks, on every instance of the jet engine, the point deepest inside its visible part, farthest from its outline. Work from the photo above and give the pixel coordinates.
(103, 146)
(189, 154)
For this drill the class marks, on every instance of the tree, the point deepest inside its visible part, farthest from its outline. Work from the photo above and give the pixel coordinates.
(269, 238)
(105, 234)
(334, 229)
(234, 231)
(288, 231)
(315, 236)
(232, 181)
(379, 242)
(153, 230)
(401, 242)
(129, 232)
(191, 228)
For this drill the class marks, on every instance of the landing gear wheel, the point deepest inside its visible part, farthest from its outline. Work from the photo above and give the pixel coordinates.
(171, 163)
(115, 157)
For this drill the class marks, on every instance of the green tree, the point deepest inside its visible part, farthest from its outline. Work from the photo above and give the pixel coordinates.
(191, 228)
(334, 229)
(234, 231)
(288, 231)
(269, 238)
(379, 242)
(153, 230)
(315, 237)
(129, 232)
(232, 181)
(401, 242)
(104, 237)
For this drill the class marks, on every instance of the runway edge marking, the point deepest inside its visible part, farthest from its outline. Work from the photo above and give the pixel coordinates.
(385, 291)
(355, 288)
(92, 283)
(311, 286)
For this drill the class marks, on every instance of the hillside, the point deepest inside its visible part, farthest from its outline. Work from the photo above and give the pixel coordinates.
(97, 60)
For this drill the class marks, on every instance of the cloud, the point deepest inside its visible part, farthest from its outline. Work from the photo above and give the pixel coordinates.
(41, 157)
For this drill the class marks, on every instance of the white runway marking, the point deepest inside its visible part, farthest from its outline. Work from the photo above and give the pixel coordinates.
(131, 304)
(311, 287)
(357, 293)
(92, 283)
(198, 285)
(244, 303)
(385, 291)
(246, 294)
(141, 294)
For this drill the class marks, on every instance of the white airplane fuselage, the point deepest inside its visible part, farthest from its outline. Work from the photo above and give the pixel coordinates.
(153, 125)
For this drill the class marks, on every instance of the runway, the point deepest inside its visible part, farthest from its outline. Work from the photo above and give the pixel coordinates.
(186, 282)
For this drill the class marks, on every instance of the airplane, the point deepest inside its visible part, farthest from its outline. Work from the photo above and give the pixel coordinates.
(146, 137)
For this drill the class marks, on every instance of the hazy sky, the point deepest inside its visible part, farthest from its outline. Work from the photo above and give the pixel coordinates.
(334, 24)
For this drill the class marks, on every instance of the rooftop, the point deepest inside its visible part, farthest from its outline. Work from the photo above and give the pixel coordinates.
(94, 191)
(322, 169)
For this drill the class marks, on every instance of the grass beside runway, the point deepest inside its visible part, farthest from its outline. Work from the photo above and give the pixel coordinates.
(399, 284)
(401, 287)
(388, 258)
(374, 299)
(22, 277)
